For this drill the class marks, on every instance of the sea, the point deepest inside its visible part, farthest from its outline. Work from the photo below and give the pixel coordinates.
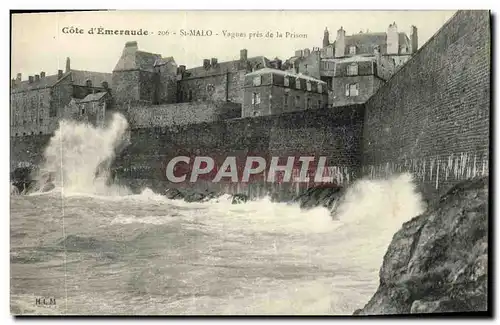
(91, 248)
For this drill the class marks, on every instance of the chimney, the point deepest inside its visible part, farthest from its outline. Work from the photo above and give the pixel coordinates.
(243, 54)
(105, 85)
(132, 44)
(18, 78)
(392, 39)
(299, 53)
(414, 39)
(326, 38)
(42, 74)
(340, 43)
(206, 63)
(30, 79)
(214, 62)
(181, 69)
(68, 65)
(37, 78)
(59, 74)
(278, 63)
(307, 52)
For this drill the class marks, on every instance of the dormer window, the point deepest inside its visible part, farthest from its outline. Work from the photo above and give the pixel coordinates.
(257, 81)
(287, 82)
(352, 50)
(308, 86)
(320, 88)
(352, 70)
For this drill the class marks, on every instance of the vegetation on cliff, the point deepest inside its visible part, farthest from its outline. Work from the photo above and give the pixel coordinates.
(438, 261)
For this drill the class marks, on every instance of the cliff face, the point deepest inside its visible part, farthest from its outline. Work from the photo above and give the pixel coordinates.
(438, 261)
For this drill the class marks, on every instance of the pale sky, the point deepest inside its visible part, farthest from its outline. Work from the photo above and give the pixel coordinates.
(38, 43)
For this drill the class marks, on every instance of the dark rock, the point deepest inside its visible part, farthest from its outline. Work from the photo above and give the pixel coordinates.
(211, 195)
(239, 198)
(190, 195)
(437, 262)
(319, 197)
(193, 196)
(174, 194)
(21, 178)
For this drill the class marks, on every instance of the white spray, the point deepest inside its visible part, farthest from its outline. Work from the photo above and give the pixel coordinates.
(79, 156)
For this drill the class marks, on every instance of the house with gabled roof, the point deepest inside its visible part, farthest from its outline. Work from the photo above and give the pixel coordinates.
(37, 103)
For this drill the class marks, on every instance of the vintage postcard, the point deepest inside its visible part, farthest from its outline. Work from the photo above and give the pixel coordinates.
(249, 162)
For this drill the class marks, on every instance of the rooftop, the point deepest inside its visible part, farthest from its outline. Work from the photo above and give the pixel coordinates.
(283, 73)
(78, 77)
(256, 62)
(93, 97)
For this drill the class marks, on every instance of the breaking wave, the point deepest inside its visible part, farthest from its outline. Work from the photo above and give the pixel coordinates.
(79, 156)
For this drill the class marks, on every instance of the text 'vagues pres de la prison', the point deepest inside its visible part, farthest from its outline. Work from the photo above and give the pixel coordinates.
(183, 33)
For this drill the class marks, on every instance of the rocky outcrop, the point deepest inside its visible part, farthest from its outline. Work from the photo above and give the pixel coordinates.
(438, 261)
(319, 197)
(21, 180)
(239, 198)
(190, 195)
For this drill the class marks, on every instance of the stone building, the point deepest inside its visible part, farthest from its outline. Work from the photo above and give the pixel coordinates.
(37, 104)
(350, 54)
(142, 78)
(218, 81)
(91, 109)
(270, 91)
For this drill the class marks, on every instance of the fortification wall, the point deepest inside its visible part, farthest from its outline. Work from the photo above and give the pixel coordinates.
(333, 133)
(432, 117)
(180, 113)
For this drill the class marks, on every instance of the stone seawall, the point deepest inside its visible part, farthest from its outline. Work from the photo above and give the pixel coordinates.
(333, 133)
(432, 118)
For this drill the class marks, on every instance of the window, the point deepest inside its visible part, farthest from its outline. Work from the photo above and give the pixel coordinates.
(285, 100)
(352, 49)
(297, 101)
(351, 90)
(190, 94)
(256, 113)
(210, 88)
(297, 83)
(320, 88)
(255, 99)
(352, 70)
(319, 103)
(308, 103)
(287, 82)
(52, 111)
(257, 81)
(308, 85)
(83, 111)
